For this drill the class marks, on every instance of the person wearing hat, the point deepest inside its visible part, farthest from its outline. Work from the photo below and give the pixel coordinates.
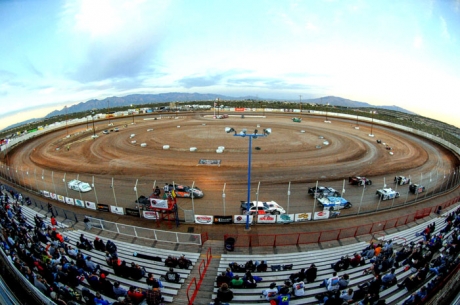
(271, 293)
(105, 285)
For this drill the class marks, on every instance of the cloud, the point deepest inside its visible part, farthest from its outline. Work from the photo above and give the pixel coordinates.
(444, 30)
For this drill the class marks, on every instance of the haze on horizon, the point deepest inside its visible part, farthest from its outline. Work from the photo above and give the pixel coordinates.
(57, 53)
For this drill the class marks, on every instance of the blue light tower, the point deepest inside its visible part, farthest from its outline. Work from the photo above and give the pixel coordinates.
(254, 135)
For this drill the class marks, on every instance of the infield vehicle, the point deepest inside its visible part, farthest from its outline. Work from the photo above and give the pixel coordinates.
(386, 194)
(359, 181)
(334, 203)
(261, 207)
(416, 188)
(297, 120)
(401, 180)
(321, 191)
(79, 186)
(183, 191)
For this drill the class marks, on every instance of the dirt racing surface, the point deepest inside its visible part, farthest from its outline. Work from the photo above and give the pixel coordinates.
(293, 152)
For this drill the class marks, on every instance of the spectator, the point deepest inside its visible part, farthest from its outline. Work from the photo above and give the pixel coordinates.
(118, 290)
(172, 276)
(236, 282)
(249, 281)
(271, 293)
(50, 209)
(331, 283)
(53, 221)
(299, 289)
(223, 278)
(344, 281)
(171, 261)
(283, 299)
(106, 286)
(153, 282)
(347, 295)
(311, 273)
(355, 261)
(224, 294)
(153, 296)
(136, 294)
(99, 244)
(298, 276)
(136, 272)
(262, 267)
(91, 266)
(217, 302)
(111, 248)
(343, 263)
(389, 279)
(99, 300)
(183, 262)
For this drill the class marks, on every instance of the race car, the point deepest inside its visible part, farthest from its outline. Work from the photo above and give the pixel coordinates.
(388, 193)
(297, 120)
(79, 186)
(334, 203)
(322, 191)
(416, 188)
(260, 207)
(359, 181)
(401, 180)
(183, 191)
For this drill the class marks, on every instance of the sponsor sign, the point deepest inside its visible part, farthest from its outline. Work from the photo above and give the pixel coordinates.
(79, 203)
(223, 219)
(284, 218)
(46, 193)
(103, 207)
(321, 215)
(151, 215)
(90, 205)
(203, 219)
(132, 212)
(266, 218)
(117, 210)
(242, 218)
(60, 198)
(69, 201)
(302, 217)
(53, 196)
(209, 162)
(158, 203)
(239, 109)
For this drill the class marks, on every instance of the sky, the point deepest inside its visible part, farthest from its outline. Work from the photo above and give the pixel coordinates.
(56, 53)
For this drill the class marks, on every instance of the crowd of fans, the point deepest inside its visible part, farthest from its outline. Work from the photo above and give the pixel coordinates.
(47, 260)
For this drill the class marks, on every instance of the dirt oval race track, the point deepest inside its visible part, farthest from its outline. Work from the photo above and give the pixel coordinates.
(287, 155)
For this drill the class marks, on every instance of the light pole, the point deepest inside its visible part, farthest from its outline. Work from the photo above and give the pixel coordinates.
(132, 113)
(94, 130)
(372, 124)
(254, 135)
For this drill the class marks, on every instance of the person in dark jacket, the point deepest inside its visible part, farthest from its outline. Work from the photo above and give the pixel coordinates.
(311, 273)
(224, 294)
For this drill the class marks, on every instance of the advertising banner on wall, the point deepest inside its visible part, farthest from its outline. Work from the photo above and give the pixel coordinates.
(90, 205)
(60, 198)
(46, 194)
(285, 218)
(158, 203)
(103, 207)
(150, 215)
(239, 109)
(203, 219)
(266, 218)
(133, 212)
(69, 201)
(242, 218)
(302, 217)
(79, 203)
(321, 215)
(53, 196)
(117, 210)
(223, 219)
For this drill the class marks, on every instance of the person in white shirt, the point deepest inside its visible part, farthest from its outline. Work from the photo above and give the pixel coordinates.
(299, 289)
(270, 293)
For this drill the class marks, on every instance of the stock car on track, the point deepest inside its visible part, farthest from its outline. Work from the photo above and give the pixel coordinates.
(359, 181)
(79, 186)
(416, 188)
(386, 194)
(334, 203)
(322, 191)
(260, 207)
(401, 180)
(183, 191)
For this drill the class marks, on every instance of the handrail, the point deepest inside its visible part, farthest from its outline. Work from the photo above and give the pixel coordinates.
(205, 268)
(199, 268)
(208, 255)
(188, 288)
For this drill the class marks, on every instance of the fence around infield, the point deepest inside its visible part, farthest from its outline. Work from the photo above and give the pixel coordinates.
(294, 239)
(151, 234)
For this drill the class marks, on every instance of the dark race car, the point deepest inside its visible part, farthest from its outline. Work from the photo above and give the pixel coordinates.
(183, 191)
(401, 180)
(322, 191)
(416, 188)
(359, 181)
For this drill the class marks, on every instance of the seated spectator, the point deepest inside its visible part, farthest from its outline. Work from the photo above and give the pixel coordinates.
(99, 300)
(172, 276)
(331, 283)
(183, 262)
(223, 278)
(91, 266)
(118, 290)
(343, 263)
(236, 282)
(262, 267)
(136, 272)
(283, 299)
(53, 221)
(344, 281)
(298, 289)
(271, 293)
(153, 296)
(111, 248)
(229, 273)
(389, 279)
(99, 244)
(93, 281)
(311, 273)
(250, 266)
(285, 289)
(171, 262)
(237, 268)
(224, 294)
(153, 282)
(136, 294)
(355, 260)
(347, 295)
(106, 286)
(412, 299)
(298, 276)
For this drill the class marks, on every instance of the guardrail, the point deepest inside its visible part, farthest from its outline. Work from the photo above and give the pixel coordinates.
(295, 239)
(202, 274)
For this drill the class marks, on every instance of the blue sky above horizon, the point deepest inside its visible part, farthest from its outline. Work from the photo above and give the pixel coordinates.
(58, 53)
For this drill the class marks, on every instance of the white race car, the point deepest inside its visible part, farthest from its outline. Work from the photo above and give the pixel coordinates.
(79, 186)
(386, 194)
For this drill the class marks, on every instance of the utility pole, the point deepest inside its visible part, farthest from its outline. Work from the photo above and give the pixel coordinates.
(300, 104)
(67, 131)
